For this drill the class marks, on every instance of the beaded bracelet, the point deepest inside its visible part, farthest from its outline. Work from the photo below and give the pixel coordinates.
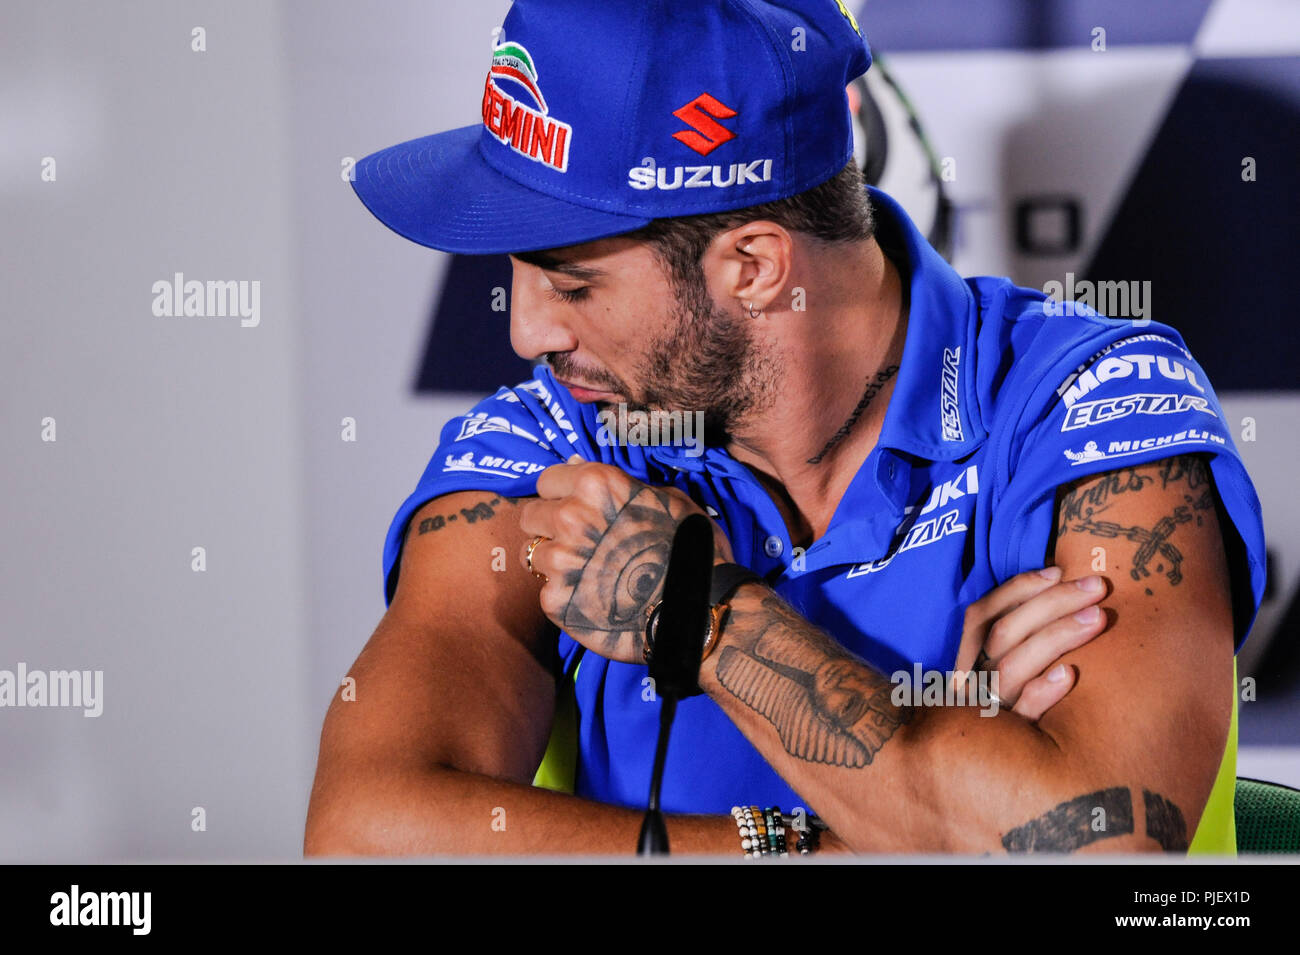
(757, 837)
(780, 832)
(763, 832)
(749, 843)
(810, 836)
(771, 830)
(739, 818)
(763, 847)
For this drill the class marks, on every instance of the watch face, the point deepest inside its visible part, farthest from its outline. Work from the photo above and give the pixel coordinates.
(716, 613)
(651, 628)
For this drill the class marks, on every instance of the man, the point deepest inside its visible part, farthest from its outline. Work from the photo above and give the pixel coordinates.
(892, 453)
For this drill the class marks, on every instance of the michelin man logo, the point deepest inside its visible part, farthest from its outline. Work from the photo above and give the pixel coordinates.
(482, 422)
(489, 464)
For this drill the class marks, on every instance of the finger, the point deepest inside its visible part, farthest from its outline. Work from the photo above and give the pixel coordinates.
(536, 518)
(557, 480)
(1006, 597)
(530, 555)
(561, 567)
(1044, 692)
(559, 562)
(1041, 651)
(997, 602)
(570, 520)
(1061, 600)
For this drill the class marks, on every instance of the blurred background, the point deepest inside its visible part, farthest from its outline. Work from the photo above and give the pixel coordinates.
(197, 506)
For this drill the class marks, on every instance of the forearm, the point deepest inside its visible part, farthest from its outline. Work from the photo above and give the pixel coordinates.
(447, 811)
(908, 779)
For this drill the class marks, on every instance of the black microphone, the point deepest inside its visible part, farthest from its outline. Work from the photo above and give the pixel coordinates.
(680, 628)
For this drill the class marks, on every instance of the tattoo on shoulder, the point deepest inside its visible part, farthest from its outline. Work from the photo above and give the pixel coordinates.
(1085, 502)
(826, 706)
(482, 511)
(1103, 814)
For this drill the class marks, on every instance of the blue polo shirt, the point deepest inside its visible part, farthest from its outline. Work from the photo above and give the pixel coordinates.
(996, 403)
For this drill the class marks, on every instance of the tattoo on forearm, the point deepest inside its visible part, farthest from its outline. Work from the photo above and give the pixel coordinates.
(630, 558)
(1076, 823)
(1099, 815)
(482, 511)
(1085, 500)
(826, 706)
(1165, 823)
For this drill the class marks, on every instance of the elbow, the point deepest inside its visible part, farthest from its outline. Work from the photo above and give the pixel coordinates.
(324, 841)
(338, 826)
(362, 814)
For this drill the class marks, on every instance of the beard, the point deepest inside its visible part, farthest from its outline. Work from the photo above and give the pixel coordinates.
(708, 360)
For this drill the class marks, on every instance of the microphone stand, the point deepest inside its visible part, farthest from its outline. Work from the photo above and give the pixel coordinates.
(675, 662)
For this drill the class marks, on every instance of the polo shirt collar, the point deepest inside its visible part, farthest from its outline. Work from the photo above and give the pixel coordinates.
(933, 412)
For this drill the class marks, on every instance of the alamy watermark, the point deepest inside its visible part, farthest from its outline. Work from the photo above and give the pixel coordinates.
(69, 688)
(128, 909)
(622, 426)
(1123, 299)
(180, 298)
(946, 688)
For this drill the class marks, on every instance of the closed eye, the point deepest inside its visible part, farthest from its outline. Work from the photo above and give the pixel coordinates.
(579, 294)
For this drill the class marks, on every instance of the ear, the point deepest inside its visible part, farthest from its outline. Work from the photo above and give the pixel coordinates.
(750, 264)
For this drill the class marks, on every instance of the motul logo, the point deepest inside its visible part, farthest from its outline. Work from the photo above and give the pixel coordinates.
(701, 115)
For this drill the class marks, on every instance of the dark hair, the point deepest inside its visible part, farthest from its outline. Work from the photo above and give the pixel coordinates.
(836, 211)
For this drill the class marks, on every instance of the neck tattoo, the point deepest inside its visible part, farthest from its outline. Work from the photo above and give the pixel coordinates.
(874, 385)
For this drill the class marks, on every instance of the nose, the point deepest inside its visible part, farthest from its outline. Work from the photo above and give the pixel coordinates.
(538, 324)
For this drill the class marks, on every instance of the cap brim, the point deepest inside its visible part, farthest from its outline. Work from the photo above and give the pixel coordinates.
(440, 192)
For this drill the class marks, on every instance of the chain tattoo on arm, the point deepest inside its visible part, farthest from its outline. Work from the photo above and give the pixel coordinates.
(1086, 500)
(1108, 813)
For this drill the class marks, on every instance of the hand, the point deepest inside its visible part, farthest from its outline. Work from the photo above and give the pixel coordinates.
(1020, 629)
(606, 553)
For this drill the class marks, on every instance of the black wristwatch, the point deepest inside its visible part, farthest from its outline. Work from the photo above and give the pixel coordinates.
(726, 578)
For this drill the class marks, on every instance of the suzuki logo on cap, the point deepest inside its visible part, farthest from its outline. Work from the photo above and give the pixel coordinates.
(701, 114)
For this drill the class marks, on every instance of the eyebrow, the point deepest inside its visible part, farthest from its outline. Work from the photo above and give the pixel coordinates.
(544, 260)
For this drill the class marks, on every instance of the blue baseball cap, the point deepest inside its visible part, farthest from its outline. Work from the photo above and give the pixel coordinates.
(601, 115)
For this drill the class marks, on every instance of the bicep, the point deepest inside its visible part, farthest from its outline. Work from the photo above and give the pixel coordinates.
(1154, 694)
(459, 672)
